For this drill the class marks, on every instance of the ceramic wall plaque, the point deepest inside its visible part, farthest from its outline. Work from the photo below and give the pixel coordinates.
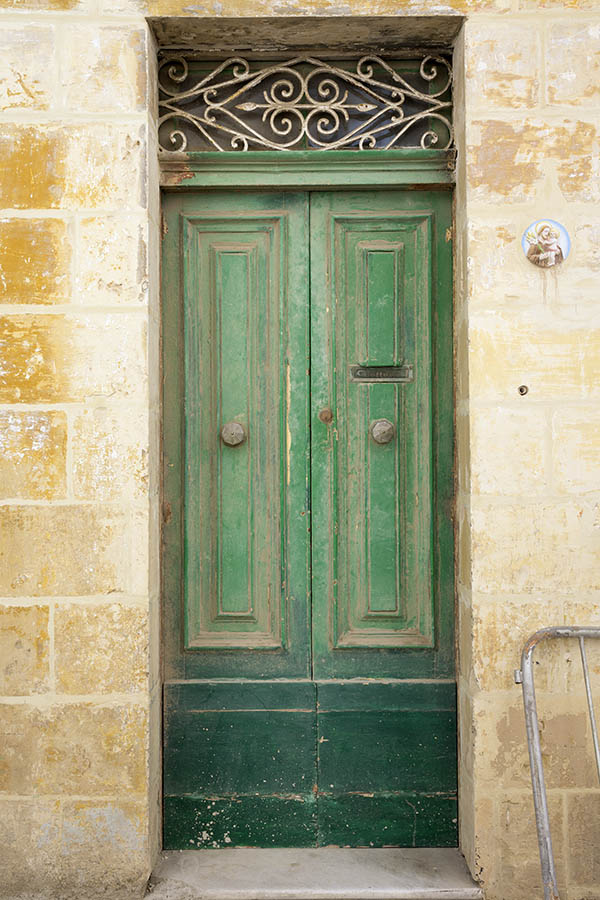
(546, 243)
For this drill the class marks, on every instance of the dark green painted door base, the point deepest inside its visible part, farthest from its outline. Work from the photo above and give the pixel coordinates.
(309, 681)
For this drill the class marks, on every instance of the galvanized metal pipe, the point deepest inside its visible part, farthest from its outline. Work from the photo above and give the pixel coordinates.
(525, 677)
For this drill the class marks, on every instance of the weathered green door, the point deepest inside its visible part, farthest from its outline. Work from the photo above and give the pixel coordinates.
(309, 683)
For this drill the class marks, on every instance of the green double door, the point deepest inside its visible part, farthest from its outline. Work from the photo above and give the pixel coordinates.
(309, 679)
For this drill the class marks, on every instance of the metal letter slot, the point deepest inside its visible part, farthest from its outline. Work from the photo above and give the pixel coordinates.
(382, 374)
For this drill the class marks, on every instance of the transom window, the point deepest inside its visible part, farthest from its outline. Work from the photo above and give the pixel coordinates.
(304, 103)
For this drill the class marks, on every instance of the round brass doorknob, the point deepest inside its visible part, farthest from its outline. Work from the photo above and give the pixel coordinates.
(232, 434)
(382, 431)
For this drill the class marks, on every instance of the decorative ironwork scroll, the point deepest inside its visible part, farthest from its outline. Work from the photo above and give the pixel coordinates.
(304, 103)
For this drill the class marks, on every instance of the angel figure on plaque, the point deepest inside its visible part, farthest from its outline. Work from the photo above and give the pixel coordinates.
(544, 248)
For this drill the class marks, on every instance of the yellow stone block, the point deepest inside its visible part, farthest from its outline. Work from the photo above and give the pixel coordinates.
(70, 550)
(576, 449)
(26, 67)
(110, 454)
(100, 649)
(24, 647)
(94, 831)
(508, 451)
(556, 359)
(50, 358)
(27, 823)
(112, 264)
(584, 839)
(35, 261)
(79, 748)
(512, 855)
(48, 167)
(573, 70)
(301, 7)
(544, 546)
(507, 161)
(103, 69)
(503, 65)
(33, 449)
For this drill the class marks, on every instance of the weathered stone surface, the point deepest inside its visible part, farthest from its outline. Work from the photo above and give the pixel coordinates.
(24, 650)
(573, 73)
(33, 450)
(103, 69)
(63, 358)
(110, 454)
(112, 260)
(587, 237)
(70, 550)
(508, 451)
(529, 547)
(501, 626)
(584, 839)
(576, 449)
(35, 261)
(26, 67)
(100, 649)
(71, 167)
(304, 7)
(79, 748)
(28, 823)
(503, 65)
(90, 830)
(507, 161)
(552, 356)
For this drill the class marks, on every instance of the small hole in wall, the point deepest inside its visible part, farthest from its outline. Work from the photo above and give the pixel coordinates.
(523, 389)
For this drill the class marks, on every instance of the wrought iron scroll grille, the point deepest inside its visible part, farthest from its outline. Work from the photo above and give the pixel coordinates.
(305, 103)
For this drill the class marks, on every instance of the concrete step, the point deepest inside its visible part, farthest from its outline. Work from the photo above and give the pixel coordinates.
(323, 874)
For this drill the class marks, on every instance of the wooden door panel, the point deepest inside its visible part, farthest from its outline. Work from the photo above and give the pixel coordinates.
(236, 286)
(374, 295)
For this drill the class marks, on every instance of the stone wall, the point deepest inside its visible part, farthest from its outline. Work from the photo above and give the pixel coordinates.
(79, 677)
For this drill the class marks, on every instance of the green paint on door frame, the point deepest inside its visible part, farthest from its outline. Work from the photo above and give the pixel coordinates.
(309, 169)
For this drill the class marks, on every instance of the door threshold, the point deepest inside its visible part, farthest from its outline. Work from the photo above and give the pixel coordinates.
(328, 873)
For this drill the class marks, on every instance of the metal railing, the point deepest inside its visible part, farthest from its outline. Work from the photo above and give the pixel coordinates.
(524, 677)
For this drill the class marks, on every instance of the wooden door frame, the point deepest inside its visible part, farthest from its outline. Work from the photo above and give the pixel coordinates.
(411, 169)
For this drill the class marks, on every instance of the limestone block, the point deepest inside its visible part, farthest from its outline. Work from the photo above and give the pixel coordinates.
(103, 68)
(301, 7)
(584, 839)
(557, 360)
(94, 831)
(101, 648)
(503, 65)
(573, 73)
(529, 547)
(24, 649)
(71, 167)
(79, 748)
(47, 5)
(26, 67)
(27, 823)
(66, 358)
(71, 551)
(509, 161)
(587, 239)
(498, 272)
(33, 450)
(513, 870)
(35, 261)
(110, 454)
(112, 261)
(500, 628)
(508, 451)
(576, 449)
